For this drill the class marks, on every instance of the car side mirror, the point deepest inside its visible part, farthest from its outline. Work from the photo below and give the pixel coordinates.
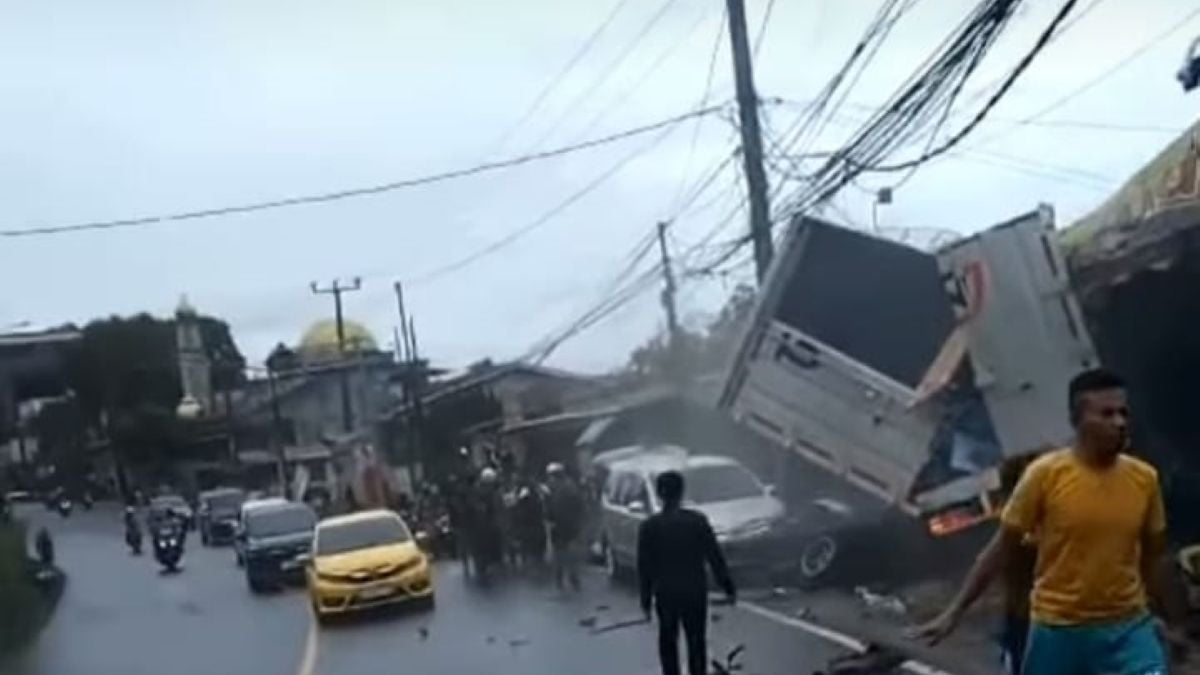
(637, 506)
(770, 490)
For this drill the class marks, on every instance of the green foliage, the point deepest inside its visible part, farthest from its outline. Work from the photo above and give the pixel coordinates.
(22, 604)
(696, 352)
(127, 368)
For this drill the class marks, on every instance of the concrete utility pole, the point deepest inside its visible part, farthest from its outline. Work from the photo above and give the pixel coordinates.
(668, 292)
(752, 154)
(336, 289)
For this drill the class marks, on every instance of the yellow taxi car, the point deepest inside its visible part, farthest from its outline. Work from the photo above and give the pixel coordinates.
(364, 560)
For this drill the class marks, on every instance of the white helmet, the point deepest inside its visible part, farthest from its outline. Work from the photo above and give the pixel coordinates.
(554, 469)
(488, 475)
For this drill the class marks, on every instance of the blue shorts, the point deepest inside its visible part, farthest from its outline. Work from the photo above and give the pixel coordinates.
(1129, 647)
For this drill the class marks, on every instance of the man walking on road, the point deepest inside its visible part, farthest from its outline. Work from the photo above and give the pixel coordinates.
(1095, 515)
(673, 548)
(564, 519)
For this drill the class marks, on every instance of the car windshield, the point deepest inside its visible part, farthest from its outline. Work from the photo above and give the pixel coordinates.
(361, 534)
(282, 520)
(707, 484)
(225, 501)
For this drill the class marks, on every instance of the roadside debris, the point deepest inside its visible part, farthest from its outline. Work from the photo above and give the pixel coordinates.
(588, 622)
(619, 625)
(423, 632)
(875, 660)
(881, 602)
(518, 642)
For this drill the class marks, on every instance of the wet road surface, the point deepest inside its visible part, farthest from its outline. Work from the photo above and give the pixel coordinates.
(120, 616)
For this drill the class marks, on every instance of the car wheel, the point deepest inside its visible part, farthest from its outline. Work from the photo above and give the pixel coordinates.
(255, 584)
(817, 558)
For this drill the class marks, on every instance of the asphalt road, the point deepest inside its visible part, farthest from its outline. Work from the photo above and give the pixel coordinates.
(120, 616)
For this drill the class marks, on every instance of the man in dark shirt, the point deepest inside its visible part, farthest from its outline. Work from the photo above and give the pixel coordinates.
(673, 548)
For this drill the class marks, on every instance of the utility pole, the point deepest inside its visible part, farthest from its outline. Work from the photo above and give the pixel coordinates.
(668, 292)
(336, 289)
(405, 349)
(752, 153)
(277, 432)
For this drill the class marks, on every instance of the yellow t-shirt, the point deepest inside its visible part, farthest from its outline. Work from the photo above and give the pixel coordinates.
(1090, 524)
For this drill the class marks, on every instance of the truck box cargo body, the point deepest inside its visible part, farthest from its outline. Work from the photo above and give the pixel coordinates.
(912, 375)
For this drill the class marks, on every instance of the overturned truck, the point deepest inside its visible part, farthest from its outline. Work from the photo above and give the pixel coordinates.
(912, 375)
(915, 376)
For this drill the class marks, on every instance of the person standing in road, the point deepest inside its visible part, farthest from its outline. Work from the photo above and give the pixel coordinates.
(674, 546)
(564, 519)
(1096, 517)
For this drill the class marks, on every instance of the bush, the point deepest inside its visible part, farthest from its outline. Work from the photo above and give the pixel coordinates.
(21, 604)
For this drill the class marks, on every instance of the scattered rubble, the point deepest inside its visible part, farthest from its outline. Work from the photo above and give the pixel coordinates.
(875, 660)
(881, 602)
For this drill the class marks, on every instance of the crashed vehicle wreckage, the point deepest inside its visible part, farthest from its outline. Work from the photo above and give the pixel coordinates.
(915, 376)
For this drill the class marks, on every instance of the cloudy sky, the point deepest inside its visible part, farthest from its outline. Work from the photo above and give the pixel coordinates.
(128, 108)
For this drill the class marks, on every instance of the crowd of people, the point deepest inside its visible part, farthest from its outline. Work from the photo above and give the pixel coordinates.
(498, 519)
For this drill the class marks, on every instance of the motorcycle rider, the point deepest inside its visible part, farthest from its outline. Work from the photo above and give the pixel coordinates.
(168, 530)
(133, 529)
(45, 547)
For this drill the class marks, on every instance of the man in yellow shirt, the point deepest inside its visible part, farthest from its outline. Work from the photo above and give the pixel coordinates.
(1097, 514)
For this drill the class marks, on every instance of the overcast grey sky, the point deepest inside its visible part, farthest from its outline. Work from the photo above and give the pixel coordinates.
(134, 107)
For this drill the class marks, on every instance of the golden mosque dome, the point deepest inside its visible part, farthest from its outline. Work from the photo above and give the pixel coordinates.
(320, 341)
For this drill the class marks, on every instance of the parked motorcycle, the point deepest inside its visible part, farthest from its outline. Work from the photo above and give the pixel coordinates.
(168, 547)
(64, 507)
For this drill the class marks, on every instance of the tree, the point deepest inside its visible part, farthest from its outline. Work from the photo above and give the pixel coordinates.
(696, 352)
(127, 369)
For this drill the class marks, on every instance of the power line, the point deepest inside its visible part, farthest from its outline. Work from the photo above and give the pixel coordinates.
(542, 220)
(657, 63)
(362, 191)
(762, 27)
(708, 81)
(573, 108)
(617, 297)
(962, 133)
(570, 65)
(925, 100)
(1129, 58)
(993, 119)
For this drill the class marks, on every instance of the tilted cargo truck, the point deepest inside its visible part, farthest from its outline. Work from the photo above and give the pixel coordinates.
(913, 375)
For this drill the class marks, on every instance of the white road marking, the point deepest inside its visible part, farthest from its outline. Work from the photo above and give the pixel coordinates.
(915, 667)
(308, 662)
